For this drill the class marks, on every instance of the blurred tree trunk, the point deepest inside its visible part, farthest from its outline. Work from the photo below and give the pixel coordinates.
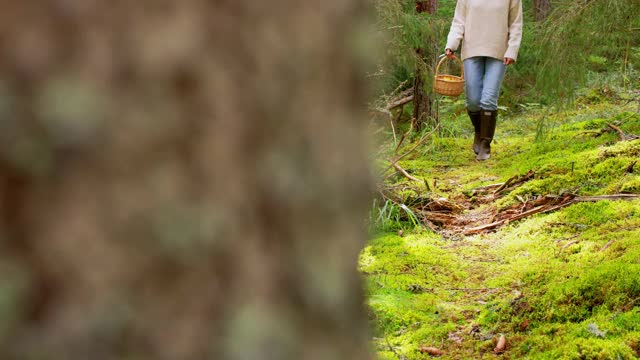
(422, 101)
(542, 9)
(154, 204)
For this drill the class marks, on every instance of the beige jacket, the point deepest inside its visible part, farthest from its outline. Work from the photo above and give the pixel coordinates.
(490, 28)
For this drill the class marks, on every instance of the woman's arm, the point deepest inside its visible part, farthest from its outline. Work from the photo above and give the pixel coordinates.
(456, 33)
(515, 29)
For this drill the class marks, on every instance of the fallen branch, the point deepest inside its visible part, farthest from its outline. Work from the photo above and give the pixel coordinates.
(430, 225)
(400, 102)
(409, 91)
(628, 197)
(515, 181)
(485, 189)
(422, 140)
(619, 131)
(443, 205)
(606, 246)
(471, 289)
(394, 350)
(595, 133)
(404, 136)
(388, 194)
(609, 128)
(567, 238)
(537, 210)
(405, 173)
(461, 289)
(388, 102)
(498, 188)
(440, 218)
(568, 244)
(550, 205)
(393, 123)
(629, 169)
(623, 136)
(505, 184)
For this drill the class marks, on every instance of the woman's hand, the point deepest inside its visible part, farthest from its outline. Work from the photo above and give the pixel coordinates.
(508, 61)
(450, 54)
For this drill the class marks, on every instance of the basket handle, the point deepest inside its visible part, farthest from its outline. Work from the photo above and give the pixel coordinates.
(455, 58)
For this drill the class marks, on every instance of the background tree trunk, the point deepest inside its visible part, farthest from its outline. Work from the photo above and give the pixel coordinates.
(429, 6)
(181, 179)
(542, 9)
(422, 101)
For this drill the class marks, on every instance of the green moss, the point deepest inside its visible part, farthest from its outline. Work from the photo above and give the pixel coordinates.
(625, 148)
(630, 185)
(590, 214)
(544, 281)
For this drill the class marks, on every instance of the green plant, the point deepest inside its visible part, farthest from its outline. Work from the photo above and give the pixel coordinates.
(579, 35)
(391, 216)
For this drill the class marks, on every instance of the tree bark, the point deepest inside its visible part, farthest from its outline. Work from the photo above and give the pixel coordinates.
(182, 179)
(541, 9)
(422, 101)
(429, 6)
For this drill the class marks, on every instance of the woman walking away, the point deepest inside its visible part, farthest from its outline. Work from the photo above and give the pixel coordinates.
(491, 31)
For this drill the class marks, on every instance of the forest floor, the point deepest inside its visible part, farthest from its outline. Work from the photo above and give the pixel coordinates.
(524, 246)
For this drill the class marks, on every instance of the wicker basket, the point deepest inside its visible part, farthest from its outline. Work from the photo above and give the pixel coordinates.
(449, 85)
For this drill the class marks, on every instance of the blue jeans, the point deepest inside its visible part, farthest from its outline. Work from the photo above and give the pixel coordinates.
(483, 77)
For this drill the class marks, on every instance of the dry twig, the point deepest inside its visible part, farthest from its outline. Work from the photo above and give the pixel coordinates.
(405, 173)
(515, 181)
(606, 246)
(400, 102)
(629, 169)
(607, 197)
(401, 357)
(548, 204)
(569, 244)
(623, 136)
(486, 189)
(422, 141)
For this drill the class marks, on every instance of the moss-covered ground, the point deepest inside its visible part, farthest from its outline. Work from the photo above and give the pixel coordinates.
(559, 285)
